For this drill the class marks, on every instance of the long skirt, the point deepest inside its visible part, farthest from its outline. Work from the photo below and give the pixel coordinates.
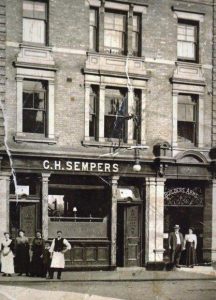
(22, 260)
(7, 263)
(58, 261)
(190, 254)
(36, 266)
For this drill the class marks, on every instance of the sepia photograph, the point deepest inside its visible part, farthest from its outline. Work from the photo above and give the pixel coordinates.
(108, 149)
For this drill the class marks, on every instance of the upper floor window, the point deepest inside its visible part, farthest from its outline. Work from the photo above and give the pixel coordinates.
(114, 32)
(136, 35)
(93, 29)
(34, 22)
(115, 112)
(93, 113)
(187, 118)
(34, 106)
(187, 47)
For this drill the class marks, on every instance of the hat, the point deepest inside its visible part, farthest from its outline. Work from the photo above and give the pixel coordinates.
(176, 227)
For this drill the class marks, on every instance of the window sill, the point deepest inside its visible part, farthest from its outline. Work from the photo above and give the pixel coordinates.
(107, 144)
(37, 138)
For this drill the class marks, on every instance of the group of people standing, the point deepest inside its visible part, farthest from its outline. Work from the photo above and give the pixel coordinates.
(45, 259)
(178, 243)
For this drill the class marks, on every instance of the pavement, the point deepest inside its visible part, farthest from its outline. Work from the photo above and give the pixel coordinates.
(123, 274)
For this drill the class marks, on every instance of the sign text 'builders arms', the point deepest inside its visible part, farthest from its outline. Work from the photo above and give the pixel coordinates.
(83, 166)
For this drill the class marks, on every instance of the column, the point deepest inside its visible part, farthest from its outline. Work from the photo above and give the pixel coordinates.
(130, 31)
(209, 222)
(154, 219)
(101, 113)
(101, 26)
(87, 104)
(175, 120)
(51, 110)
(19, 105)
(114, 185)
(201, 121)
(45, 192)
(130, 124)
(159, 250)
(143, 117)
(4, 201)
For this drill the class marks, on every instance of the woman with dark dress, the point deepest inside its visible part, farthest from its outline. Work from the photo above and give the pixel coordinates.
(37, 255)
(22, 254)
(190, 246)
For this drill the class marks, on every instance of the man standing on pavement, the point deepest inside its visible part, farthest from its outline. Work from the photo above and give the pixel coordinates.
(176, 245)
(58, 248)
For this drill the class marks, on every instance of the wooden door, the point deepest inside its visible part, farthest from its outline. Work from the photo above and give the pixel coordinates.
(28, 218)
(132, 236)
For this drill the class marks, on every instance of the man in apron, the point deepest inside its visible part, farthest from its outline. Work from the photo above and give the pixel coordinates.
(58, 248)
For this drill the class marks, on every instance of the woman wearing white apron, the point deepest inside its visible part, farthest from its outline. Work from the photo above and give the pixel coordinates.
(58, 248)
(7, 256)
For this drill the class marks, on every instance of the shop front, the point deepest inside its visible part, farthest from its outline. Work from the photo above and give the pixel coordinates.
(99, 209)
(184, 205)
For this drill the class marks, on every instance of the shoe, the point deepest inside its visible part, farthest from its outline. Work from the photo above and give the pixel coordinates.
(4, 275)
(20, 274)
(9, 275)
(177, 266)
(58, 277)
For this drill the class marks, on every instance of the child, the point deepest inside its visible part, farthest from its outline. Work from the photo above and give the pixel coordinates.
(46, 259)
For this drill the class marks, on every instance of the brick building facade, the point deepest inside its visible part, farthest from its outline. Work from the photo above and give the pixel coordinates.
(93, 88)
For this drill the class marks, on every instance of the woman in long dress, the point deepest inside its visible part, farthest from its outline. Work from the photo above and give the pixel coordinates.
(37, 256)
(22, 254)
(7, 256)
(190, 245)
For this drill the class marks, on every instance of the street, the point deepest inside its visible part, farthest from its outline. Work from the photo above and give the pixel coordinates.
(151, 290)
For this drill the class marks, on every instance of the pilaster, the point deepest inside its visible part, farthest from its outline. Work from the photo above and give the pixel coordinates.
(114, 185)
(45, 192)
(4, 201)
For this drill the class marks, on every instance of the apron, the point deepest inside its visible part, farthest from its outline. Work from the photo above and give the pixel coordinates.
(58, 260)
(7, 261)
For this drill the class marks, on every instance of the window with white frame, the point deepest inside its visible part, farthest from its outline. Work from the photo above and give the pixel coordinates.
(115, 32)
(34, 22)
(93, 29)
(187, 44)
(34, 106)
(187, 118)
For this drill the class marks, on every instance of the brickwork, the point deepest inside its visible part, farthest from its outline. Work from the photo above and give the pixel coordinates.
(68, 35)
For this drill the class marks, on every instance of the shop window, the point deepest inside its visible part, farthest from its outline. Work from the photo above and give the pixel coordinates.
(34, 106)
(115, 112)
(136, 35)
(187, 44)
(137, 116)
(114, 32)
(34, 22)
(79, 206)
(93, 29)
(93, 114)
(187, 119)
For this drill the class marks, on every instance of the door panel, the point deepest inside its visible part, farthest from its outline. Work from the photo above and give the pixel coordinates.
(132, 235)
(28, 218)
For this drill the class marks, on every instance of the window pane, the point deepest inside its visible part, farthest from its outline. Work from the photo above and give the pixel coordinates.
(33, 121)
(181, 112)
(119, 22)
(135, 23)
(190, 113)
(186, 132)
(39, 102)
(186, 49)
(34, 31)
(109, 21)
(28, 9)
(28, 100)
(92, 38)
